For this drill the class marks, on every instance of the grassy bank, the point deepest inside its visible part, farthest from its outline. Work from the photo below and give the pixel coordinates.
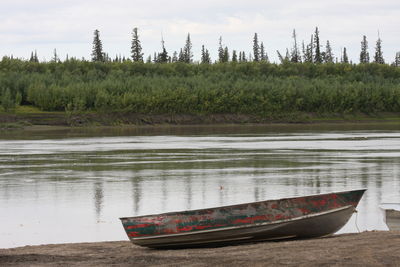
(26, 116)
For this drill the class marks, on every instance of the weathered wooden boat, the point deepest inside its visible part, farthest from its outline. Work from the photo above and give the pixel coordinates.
(298, 217)
(392, 215)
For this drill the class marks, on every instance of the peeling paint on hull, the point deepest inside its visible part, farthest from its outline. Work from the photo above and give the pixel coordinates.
(301, 217)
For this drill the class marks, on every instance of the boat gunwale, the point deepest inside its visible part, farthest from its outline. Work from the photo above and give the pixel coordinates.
(250, 225)
(237, 205)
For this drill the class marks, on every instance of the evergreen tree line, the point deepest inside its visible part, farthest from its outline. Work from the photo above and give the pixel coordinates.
(308, 52)
(311, 52)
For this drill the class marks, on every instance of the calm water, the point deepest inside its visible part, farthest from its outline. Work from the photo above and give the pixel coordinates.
(72, 186)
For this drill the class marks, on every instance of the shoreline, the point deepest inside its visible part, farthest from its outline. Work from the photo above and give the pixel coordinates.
(10, 121)
(365, 249)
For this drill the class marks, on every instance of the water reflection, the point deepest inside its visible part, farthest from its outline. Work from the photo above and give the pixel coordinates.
(98, 199)
(75, 189)
(136, 193)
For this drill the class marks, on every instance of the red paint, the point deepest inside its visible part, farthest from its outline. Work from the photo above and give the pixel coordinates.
(139, 226)
(169, 231)
(304, 211)
(185, 229)
(251, 219)
(280, 217)
(202, 227)
(198, 227)
(134, 234)
(319, 203)
(322, 202)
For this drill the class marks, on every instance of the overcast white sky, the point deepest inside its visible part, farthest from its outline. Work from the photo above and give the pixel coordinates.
(68, 25)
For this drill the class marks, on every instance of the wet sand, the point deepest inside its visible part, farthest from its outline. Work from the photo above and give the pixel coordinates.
(377, 248)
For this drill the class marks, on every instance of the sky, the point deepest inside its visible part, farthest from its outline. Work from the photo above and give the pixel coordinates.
(68, 25)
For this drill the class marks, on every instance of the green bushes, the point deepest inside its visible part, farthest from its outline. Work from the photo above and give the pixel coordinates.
(246, 88)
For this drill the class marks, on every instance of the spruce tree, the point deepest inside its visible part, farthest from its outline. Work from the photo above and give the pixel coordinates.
(106, 57)
(187, 50)
(205, 56)
(317, 46)
(181, 57)
(97, 51)
(397, 60)
(263, 53)
(136, 47)
(283, 59)
(203, 53)
(244, 59)
(36, 58)
(378, 58)
(295, 54)
(220, 51)
(364, 55)
(226, 54)
(345, 58)
(242, 56)
(55, 56)
(308, 51)
(328, 55)
(234, 56)
(174, 57)
(163, 56)
(256, 48)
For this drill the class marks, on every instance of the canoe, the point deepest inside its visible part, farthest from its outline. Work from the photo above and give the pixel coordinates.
(298, 217)
(392, 215)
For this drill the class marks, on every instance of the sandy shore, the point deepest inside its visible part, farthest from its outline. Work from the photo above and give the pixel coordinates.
(380, 248)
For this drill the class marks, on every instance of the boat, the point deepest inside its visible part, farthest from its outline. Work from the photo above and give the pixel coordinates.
(391, 215)
(287, 218)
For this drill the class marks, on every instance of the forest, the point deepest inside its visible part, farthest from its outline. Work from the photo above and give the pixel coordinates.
(236, 83)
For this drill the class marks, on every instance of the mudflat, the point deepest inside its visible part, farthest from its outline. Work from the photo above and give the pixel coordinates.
(376, 248)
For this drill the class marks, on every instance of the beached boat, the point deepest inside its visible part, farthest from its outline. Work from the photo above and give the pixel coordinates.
(298, 217)
(392, 215)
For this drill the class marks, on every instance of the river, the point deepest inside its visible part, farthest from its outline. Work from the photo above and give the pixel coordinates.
(72, 185)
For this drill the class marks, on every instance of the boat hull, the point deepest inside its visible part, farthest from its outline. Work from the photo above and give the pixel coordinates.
(304, 227)
(300, 217)
(392, 219)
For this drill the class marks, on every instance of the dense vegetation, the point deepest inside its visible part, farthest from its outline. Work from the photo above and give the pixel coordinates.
(258, 88)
